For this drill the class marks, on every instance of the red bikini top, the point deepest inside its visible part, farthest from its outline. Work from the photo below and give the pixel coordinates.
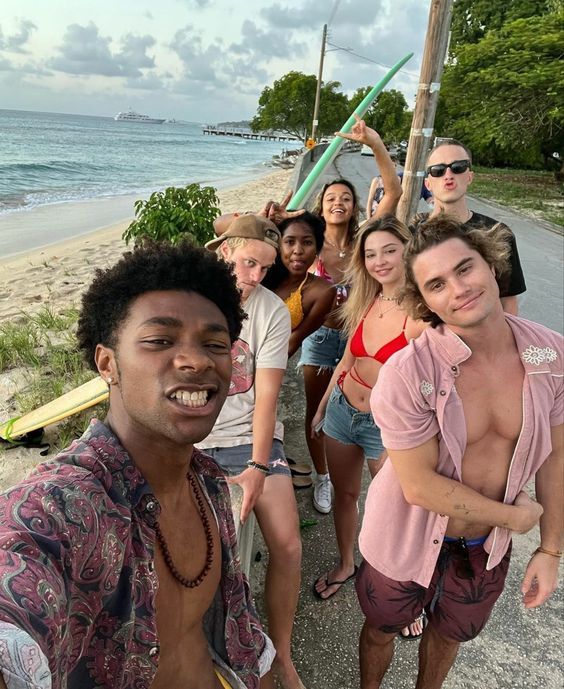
(385, 352)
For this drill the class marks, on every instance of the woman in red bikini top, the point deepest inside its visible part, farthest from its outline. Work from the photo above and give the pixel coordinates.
(377, 327)
(373, 318)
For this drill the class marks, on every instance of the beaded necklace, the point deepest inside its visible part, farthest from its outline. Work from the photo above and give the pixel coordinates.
(190, 583)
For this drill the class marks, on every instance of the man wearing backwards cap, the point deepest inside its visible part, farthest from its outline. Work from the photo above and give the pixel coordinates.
(246, 440)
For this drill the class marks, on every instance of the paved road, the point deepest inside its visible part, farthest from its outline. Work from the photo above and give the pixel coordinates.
(519, 649)
(540, 244)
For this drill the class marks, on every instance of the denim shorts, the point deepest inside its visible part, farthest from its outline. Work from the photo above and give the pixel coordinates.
(324, 348)
(345, 423)
(233, 460)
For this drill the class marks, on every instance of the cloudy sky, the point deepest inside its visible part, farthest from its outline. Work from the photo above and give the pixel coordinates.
(198, 60)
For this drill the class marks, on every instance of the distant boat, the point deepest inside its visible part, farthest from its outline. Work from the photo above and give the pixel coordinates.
(132, 116)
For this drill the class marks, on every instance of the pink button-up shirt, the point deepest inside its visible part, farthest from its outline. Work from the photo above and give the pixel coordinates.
(415, 399)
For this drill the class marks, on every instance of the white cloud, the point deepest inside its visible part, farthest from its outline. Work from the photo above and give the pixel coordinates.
(85, 52)
(15, 42)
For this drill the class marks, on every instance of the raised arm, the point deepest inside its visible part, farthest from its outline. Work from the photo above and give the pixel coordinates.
(273, 210)
(541, 575)
(390, 180)
(423, 486)
(371, 195)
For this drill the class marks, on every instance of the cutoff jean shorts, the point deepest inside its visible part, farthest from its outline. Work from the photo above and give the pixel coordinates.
(324, 348)
(345, 423)
(233, 460)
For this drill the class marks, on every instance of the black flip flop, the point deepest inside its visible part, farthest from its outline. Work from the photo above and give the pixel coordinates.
(317, 593)
(410, 637)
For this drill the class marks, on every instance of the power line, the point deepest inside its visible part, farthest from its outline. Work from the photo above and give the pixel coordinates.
(368, 59)
(334, 11)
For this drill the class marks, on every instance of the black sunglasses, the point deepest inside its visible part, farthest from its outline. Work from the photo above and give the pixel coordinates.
(463, 567)
(457, 166)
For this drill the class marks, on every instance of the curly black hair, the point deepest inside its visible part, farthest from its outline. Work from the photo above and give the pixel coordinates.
(278, 272)
(154, 266)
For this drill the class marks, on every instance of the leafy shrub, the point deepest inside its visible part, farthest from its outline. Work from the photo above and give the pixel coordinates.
(174, 214)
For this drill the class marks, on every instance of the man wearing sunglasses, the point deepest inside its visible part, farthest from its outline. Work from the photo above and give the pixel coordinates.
(469, 412)
(447, 176)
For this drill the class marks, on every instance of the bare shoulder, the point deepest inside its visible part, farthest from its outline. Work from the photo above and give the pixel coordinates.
(414, 328)
(318, 289)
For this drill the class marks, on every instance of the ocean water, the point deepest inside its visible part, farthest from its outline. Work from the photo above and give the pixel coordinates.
(49, 158)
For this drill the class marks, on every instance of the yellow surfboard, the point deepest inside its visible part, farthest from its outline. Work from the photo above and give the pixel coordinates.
(85, 396)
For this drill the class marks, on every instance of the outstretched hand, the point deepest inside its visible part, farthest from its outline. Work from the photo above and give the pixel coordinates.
(277, 211)
(361, 133)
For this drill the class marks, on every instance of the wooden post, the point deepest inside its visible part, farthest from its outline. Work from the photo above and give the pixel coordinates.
(318, 87)
(434, 54)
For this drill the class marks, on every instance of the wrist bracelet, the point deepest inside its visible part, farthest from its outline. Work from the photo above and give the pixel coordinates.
(554, 553)
(261, 467)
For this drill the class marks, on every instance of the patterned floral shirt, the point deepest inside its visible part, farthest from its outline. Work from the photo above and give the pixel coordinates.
(77, 574)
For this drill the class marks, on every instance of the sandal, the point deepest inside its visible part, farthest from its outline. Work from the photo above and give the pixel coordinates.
(422, 618)
(298, 469)
(328, 583)
(301, 481)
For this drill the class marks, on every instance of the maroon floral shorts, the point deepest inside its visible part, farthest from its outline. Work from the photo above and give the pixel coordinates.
(458, 602)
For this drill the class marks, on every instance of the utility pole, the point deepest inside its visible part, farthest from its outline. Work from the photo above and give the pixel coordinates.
(434, 54)
(319, 80)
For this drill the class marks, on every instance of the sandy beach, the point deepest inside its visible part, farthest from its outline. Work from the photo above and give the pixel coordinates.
(56, 276)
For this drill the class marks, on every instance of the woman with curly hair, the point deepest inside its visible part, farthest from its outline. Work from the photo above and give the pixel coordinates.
(308, 298)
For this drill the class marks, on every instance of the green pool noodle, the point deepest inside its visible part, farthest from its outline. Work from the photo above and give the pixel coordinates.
(304, 192)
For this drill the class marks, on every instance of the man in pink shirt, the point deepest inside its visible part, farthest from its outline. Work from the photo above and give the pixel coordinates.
(469, 412)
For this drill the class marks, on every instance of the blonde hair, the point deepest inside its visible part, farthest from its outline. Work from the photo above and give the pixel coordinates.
(364, 287)
(232, 243)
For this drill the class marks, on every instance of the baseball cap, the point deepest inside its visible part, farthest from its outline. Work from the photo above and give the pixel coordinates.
(249, 227)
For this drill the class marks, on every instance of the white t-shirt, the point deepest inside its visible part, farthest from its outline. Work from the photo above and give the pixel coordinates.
(263, 343)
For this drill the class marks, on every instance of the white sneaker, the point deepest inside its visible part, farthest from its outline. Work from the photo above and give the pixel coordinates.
(322, 493)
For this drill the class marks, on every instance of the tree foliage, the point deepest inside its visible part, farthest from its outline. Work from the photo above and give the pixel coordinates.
(503, 90)
(288, 106)
(174, 214)
(387, 115)
(472, 19)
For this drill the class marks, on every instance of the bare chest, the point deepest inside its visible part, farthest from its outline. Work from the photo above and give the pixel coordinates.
(493, 412)
(183, 652)
(492, 399)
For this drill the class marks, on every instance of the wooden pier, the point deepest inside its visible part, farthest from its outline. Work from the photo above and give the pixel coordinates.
(214, 130)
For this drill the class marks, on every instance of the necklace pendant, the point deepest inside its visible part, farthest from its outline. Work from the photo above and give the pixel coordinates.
(380, 315)
(342, 254)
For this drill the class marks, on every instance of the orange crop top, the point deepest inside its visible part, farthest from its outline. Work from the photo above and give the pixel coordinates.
(295, 306)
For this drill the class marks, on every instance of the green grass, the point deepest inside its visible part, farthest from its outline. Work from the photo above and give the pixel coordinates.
(43, 344)
(19, 344)
(534, 193)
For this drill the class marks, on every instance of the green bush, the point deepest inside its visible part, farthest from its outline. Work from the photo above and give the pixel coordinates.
(174, 214)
